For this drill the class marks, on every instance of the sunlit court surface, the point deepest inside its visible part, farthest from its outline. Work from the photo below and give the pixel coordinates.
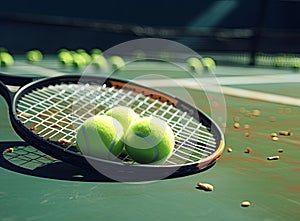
(208, 126)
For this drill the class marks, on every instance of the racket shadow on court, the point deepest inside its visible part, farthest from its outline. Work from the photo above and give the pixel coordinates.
(21, 158)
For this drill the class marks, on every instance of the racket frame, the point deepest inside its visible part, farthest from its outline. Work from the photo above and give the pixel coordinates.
(78, 159)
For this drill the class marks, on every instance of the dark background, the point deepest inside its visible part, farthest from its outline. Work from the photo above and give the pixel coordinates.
(270, 26)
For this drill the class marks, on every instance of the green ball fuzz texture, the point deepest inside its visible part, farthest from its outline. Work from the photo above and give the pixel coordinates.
(149, 140)
(125, 115)
(116, 62)
(34, 55)
(101, 137)
(6, 59)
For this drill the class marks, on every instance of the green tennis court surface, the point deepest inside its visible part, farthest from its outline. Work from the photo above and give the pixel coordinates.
(272, 186)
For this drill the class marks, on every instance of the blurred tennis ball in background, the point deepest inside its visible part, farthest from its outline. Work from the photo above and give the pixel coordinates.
(6, 59)
(95, 53)
(194, 64)
(209, 63)
(100, 136)
(165, 56)
(125, 115)
(85, 55)
(139, 55)
(100, 62)
(34, 55)
(116, 62)
(149, 140)
(78, 60)
(65, 57)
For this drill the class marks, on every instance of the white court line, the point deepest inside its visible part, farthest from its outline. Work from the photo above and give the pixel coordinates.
(188, 83)
(260, 79)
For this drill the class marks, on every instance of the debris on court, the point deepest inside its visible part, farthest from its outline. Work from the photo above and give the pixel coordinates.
(248, 150)
(9, 150)
(205, 186)
(273, 158)
(285, 133)
(245, 204)
(236, 125)
(229, 149)
(275, 138)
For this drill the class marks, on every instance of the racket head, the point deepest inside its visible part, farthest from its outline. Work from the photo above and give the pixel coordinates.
(23, 119)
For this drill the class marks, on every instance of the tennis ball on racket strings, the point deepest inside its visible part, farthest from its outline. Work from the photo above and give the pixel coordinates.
(194, 64)
(116, 62)
(6, 59)
(125, 115)
(100, 136)
(149, 140)
(34, 55)
(209, 63)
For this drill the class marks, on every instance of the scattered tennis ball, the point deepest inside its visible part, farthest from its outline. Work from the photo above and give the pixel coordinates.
(125, 115)
(100, 136)
(279, 60)
(65, 57)
(194, 64)
(295, 63)
(85, 55)
(6, 59)
(95, 52)
(78, 60)
(209, 63)
(100, 62)
(34, 55)
(139, 55)
(149, 140)
(165, 56)
(116, 62)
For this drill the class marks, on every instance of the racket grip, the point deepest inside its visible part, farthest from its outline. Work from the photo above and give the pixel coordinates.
(6, 94)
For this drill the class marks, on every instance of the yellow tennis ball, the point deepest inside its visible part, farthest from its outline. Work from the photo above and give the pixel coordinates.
(209, 63)
(34, 55)
(124, 115)
(78, 60)
(6, 59)
(116, 62)
(65, 57)
(100, 136)
(100, 61)
(194, 64)
(149, 140)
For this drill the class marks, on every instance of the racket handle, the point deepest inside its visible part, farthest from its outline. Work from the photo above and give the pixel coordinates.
(6, 94)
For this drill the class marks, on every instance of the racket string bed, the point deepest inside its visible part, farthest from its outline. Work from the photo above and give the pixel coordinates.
(58, 110)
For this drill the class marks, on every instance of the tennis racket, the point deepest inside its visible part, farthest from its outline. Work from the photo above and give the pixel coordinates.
(42, 113)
